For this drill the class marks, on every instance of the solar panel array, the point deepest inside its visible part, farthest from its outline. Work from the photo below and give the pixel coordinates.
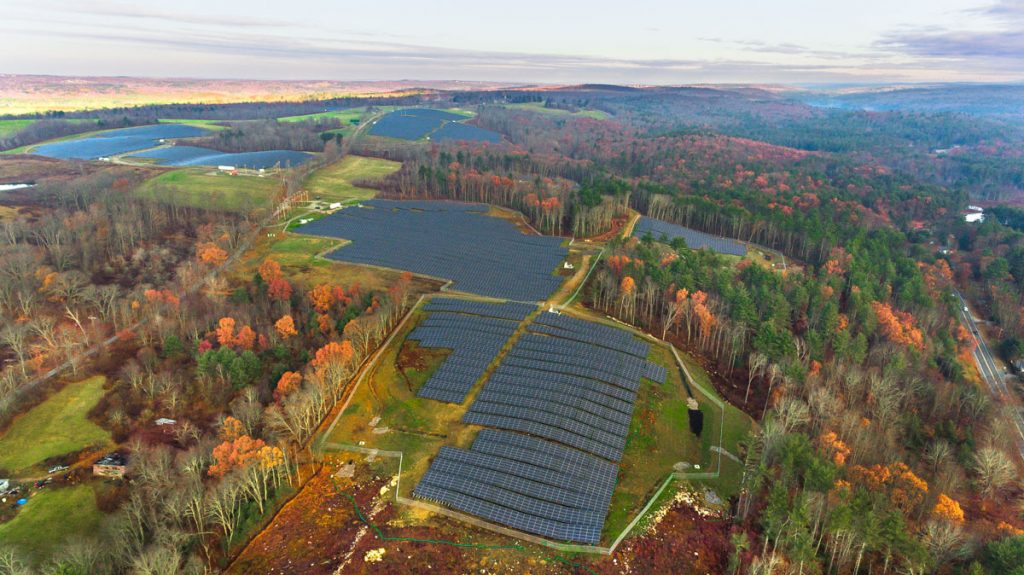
(475, 332)
(482, 255)
(562, 399)
(694, 240)
(570, 381)
(524, 483)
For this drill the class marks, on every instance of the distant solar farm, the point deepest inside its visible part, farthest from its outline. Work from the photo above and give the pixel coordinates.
(694, 240)
(449, 240)
(419, 123)
(555, 415)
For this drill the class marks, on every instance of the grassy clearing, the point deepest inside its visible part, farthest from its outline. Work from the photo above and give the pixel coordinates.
(208, 124)
(10, 127)
(539, 108)
(415, 426)
(55, 427)
(346, 117)
(298, 256)
(202, 188)
(334, 183)
(51, 517)
(659, 438)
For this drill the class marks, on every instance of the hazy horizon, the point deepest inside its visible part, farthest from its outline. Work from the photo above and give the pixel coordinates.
(790, 42)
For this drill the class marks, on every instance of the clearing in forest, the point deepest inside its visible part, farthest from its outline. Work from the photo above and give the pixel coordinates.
(55, 427)
(50, 517)
(337, 182)
(211, 190)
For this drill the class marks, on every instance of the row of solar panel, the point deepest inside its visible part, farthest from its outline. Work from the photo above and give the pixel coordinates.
(589, 332)
(543, 430)
(524, 483)
(694, 240)
(551, 349)
(557, 350)
(533, 381)
(571, 407)
(508, 310)
(577, 370)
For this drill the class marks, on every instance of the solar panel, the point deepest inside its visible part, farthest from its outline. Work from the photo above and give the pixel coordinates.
(450, 240)
(475, 341)
(694, 240)
(524, 483)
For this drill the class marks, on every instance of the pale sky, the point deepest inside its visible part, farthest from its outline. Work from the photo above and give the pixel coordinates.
(631, 42)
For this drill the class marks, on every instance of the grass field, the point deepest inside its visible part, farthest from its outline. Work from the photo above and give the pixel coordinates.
(54, 427)
(539, 108)
(203, 188)
(49, 518)
(208, 124)
(343, 116)
(10, 127)
(333, 183)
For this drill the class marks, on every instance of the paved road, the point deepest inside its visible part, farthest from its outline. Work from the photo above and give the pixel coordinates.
(990, 372)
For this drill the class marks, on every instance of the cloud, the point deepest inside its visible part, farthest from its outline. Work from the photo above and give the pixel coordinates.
(997, 47)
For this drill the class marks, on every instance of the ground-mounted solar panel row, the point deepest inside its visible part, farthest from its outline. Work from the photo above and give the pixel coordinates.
(524, 483)
(508, 310)
(694, 240)
(475, 340)
(480, 254)
(589, 332)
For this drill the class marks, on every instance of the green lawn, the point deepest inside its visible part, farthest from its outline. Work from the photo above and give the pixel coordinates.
(334, 183)
(50, 517)
(54, 427)
(343, 116)
(207, 188)
(10, 127)
(539, 108)
(208, 124)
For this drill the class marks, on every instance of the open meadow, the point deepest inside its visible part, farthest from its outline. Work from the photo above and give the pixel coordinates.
(52, 517)
(55, 427)
(212, 189)
(336, 182)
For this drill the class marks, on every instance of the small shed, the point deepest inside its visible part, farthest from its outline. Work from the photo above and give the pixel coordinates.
(5, 484)
(110, 465)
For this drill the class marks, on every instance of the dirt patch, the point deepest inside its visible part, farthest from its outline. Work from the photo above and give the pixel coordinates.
(313, 531)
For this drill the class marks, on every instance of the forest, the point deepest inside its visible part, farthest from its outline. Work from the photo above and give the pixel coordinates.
(878, 447)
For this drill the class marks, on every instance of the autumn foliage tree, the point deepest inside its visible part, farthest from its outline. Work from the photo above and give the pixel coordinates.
(898, 326)
(211, 254)
(285, 327)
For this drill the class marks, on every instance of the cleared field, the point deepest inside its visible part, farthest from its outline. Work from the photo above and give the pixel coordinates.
(539, 108)
(201, 188)
(54, 427)
(10, 127)
(51, 517)
(208, 124)
(334, 183)
(349, 116)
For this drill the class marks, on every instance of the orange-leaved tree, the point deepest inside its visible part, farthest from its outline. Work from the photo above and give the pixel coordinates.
(285, 327)
(289, 382)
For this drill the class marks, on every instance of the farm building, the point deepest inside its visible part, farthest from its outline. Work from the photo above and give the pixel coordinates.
(110, 465)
